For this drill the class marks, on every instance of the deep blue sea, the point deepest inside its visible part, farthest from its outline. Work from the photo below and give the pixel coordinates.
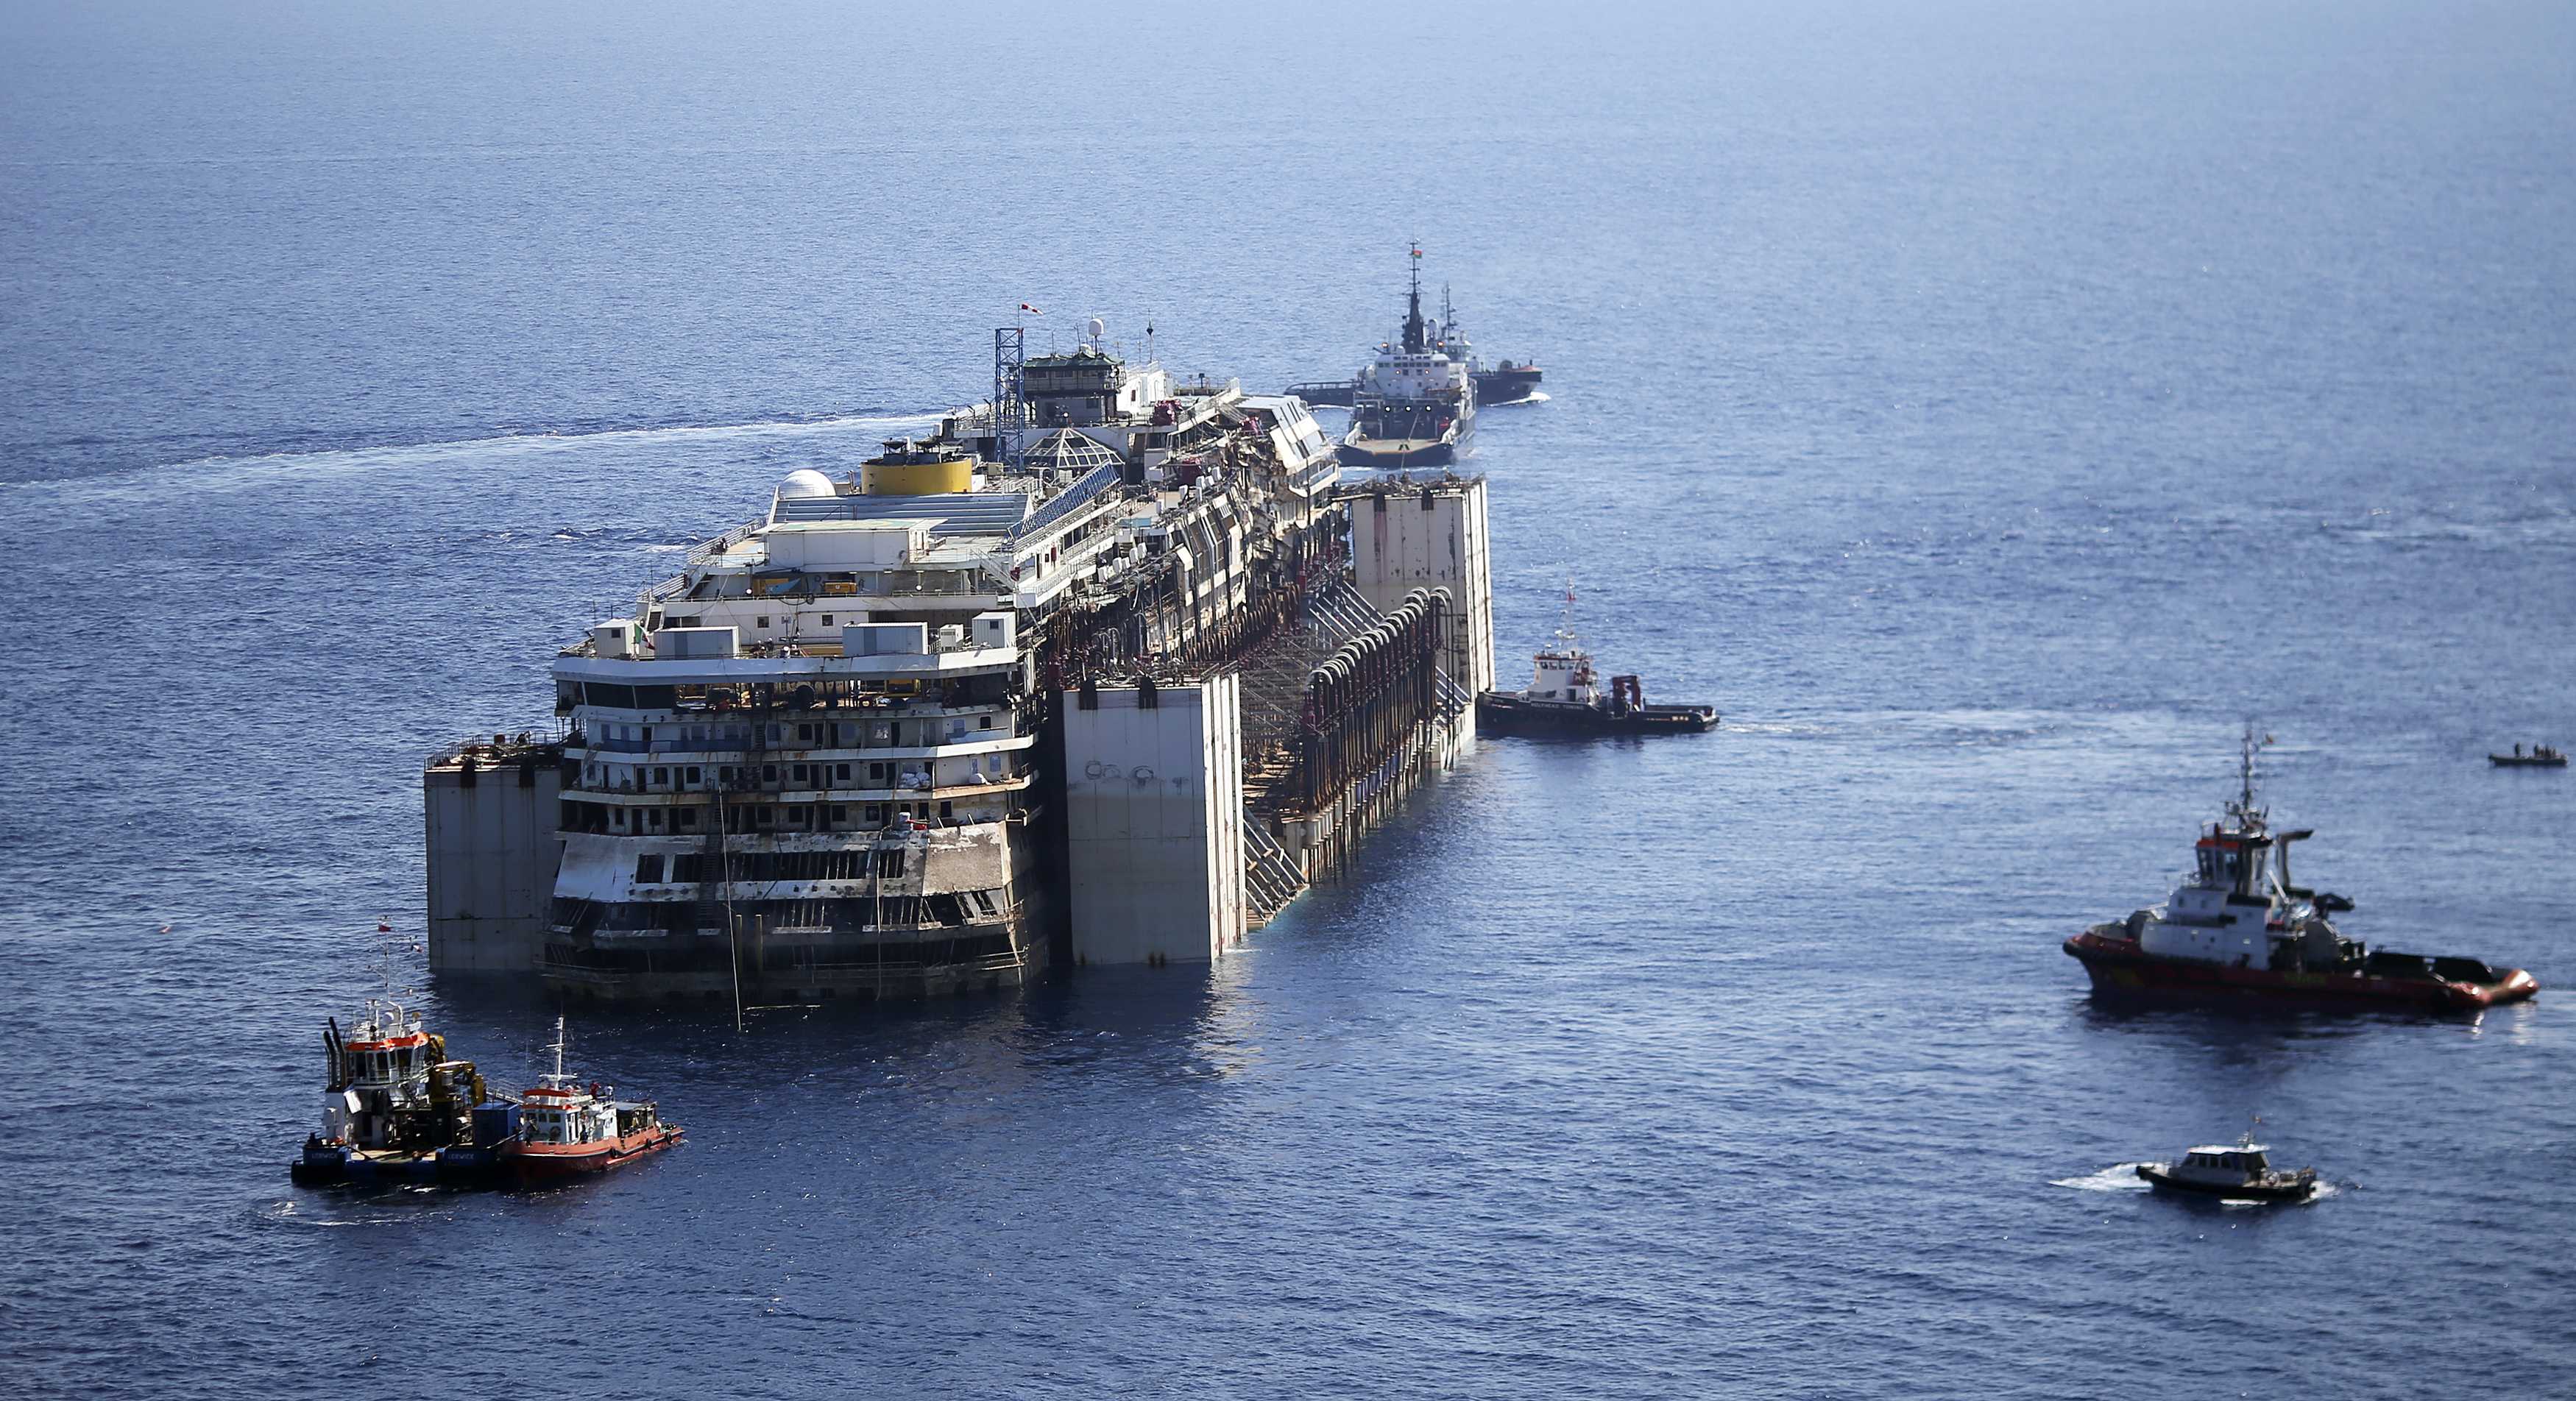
(1989, 406)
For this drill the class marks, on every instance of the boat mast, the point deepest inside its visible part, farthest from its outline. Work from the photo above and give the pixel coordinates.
(2245, 771)
(1413, 339)
(2244, 807)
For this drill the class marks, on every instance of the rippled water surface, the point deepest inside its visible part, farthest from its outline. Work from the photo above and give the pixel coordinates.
(1988, 406)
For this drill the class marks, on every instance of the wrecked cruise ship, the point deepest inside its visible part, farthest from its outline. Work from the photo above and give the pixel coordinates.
(1104, 670)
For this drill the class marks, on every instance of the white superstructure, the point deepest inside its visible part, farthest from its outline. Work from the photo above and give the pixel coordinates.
(1415, 404)
(809, 760)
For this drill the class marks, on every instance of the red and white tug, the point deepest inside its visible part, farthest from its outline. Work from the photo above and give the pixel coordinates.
(568, 1128)
(2237, 929)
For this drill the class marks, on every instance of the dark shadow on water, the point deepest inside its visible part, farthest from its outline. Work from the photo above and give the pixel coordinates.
(2231, 1212)
(2248, 1021)
(1557, 739)
(503, 1025)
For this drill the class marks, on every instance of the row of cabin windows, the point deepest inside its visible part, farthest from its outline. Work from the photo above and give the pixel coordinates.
(693, 777)
(609, 695)
(794, 817)
(399, 1064)
(689, 867)
(812, 734)
(759, 622)
(844, 912)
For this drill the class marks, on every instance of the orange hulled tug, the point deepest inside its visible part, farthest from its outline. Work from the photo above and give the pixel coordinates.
(567, 1128)
(2236, 929)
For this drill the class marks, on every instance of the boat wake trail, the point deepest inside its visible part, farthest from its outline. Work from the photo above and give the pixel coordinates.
(225, 472)
(2118, 1177)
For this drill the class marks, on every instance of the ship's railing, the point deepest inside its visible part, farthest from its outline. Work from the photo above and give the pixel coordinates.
(707, 550)
(662, 592)
(1396, 483)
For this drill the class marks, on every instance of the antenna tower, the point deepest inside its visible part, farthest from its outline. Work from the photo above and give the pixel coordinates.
(1010, 404)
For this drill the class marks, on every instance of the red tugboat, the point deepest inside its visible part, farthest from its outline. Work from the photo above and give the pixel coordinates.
(566, 1129)
(2237, 930)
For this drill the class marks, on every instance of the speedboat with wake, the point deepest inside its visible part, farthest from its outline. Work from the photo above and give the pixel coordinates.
(2239, 1171)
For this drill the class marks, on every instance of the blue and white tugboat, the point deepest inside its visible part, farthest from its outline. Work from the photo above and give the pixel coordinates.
(1564, 697)
(1415, 405)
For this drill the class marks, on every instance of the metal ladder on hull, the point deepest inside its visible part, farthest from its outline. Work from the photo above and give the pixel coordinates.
(1270, 876)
